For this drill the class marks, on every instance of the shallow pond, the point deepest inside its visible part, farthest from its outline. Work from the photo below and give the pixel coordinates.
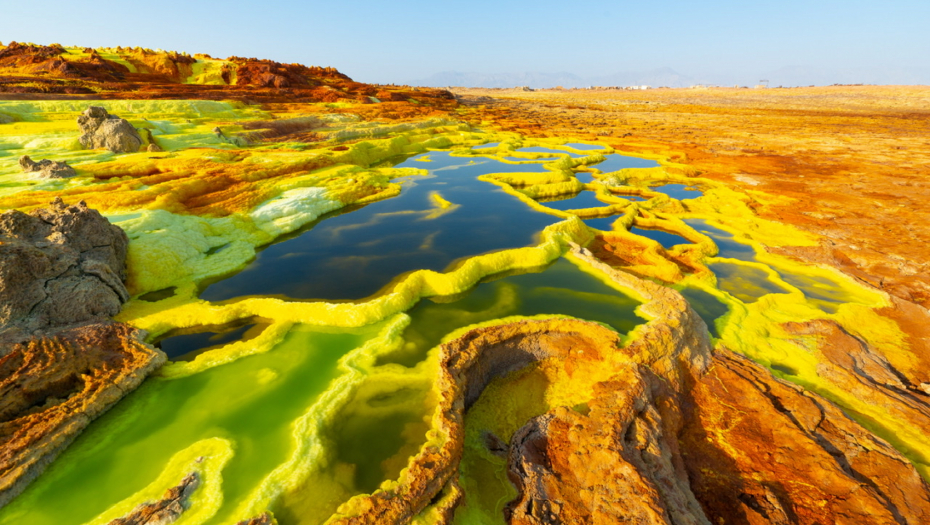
(354, 253)
(581, 200)
(678, 191)
(584, 147)
(255, 400)
(540, 149)
(561, 288)
(746, 283)
(617, 162)
(727, 244)
(708, 307)
(602, 223)
(666, 239)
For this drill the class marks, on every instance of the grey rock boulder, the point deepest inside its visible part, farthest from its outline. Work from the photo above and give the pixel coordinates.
(47, 169)
(99, 129)
(59, 266)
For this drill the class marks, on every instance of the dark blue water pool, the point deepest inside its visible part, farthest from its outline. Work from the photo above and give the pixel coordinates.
(678, 191)
(584, 147)
(578, 201)
(617, 162)
(540, 149)
(602, 223)
(727, 245)
(667, 240)
(354, 255)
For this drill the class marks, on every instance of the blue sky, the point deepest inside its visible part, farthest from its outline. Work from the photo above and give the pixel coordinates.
(403, 41)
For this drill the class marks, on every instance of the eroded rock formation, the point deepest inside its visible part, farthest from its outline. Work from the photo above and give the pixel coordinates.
(166, 510)
(52, 387)
(61, 265)
(47, 169)
(99, 129)
(678, 433)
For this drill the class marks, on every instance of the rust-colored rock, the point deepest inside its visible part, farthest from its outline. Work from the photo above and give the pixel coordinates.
(166, 510)
(761, 450)
(53, 386)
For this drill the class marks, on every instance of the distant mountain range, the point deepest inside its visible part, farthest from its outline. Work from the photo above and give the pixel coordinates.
(668, 77)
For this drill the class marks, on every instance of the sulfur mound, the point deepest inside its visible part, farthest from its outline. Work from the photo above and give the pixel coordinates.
(99, 129)
(47, 169)
(61, 265)
(52, 387)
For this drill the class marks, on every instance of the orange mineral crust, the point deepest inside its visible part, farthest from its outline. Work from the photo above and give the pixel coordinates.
(853, 161)
(52, 387)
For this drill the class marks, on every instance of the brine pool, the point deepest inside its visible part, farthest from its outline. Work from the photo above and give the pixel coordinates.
(254, 402)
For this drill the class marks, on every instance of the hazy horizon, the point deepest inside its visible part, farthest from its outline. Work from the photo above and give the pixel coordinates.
(720, 42)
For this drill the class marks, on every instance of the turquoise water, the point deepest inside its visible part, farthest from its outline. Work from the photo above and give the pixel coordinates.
(823, 292)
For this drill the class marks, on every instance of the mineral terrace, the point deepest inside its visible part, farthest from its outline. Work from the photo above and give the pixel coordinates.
(235, 291)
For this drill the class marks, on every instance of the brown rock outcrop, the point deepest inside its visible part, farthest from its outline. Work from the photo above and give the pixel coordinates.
(61, 265)
(99, 129)
(52, 387)
(166, 510)
(262, 519)
(47, 169)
